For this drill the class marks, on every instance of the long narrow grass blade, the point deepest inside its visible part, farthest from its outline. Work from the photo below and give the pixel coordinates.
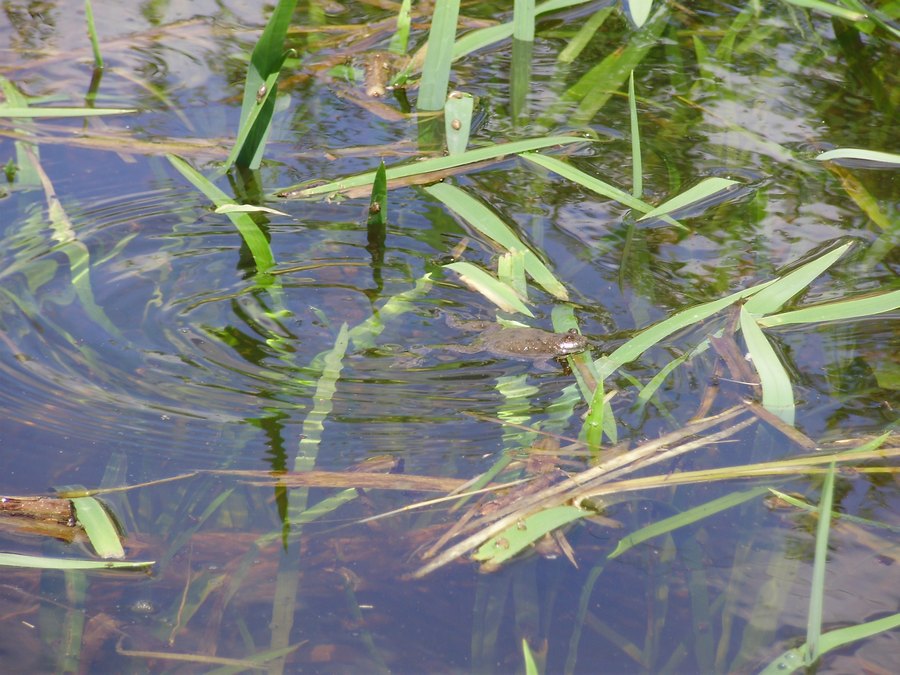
(685, 518)
(704, 190)
(771, 299)
(523, 20)
(436, 71)
(817, 583)
(828, 8)
(458, 121)
(92, 33)
(637, 165)
(259, 87)
(638, 10)
(777, 393)
(584, 35)
(853, 308)
(872, 157)
(416, 168)
(63, 112)
(515, 539)
(38, 562)
(489, 224)
(647, 338)
(99, 527)
(493, 289)
(400, 38)
(253, 236)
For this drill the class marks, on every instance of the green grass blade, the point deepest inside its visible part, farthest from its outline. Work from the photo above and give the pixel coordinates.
(817, 583)
(489, 224)
(265, 65)
(841, 310)
(649, 337)
(828, 8)
(783, 289)
(378, 203)
(62, 112)
(584, 35)
(638, 11)
(436, 70)
(502, 295)
(777, 393)
(42, 563)
(516, 538)
(101, 531)
(858, 154)
(400, 39)
(531, 667)
(637, 165)
(458, 121)
(684, 519)
(253, 236)
(523, 20)
(416, 168)
(703, 190)
(92, 33)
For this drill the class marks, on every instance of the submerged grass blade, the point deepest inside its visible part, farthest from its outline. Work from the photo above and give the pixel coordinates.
(777, 393)
(416, 168)
(817, 583)
(703, 190)
(637, 165)
(515, 539)
(100, 529)
(436, 70)
(784, 288)
(250, 232)
(638, 10)
(489, 224)
(502, 295)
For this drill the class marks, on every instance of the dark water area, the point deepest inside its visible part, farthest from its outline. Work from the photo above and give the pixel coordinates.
(136, 345)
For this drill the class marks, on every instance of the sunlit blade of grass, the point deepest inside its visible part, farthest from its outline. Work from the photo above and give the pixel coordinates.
(854, 308)
(638, 10)
(817, 583)
(259, 103)
(92, 33)
(62, 112)
(596, 87)
(828, 8)
(792, 660)
(400, 38)
(771, 299)
(531, 667)
(637, 164)
(873, 158)
(436, 71)
(101, 531)
(458, 121)
(483, 37)
(493, 289)
(378, 205)
(594, 184)
(429, 165)
(512, 541)
(523, 20)
(42, 563)
(511, 271)
(647, 338)
(489, 224)
(584, 35)
(685, 518)
(703, 190)
(248, 208)
(251, 234)
(777, 393)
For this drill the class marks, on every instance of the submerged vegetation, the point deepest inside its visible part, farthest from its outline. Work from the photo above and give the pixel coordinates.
(634, 181)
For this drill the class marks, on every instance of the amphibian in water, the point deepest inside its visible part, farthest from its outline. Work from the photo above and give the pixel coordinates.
(518, 342)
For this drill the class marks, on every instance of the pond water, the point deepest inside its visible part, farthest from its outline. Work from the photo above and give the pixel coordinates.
(139, 346)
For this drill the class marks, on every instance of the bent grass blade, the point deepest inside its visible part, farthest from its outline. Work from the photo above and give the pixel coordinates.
(703, 190)
(417, 168)
(502, 295)
(777, 393)
(99, 527)
(483, 219)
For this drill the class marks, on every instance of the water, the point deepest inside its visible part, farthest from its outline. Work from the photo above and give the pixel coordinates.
(164, 359)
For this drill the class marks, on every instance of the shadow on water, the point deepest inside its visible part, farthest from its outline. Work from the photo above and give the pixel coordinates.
(138, 346)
